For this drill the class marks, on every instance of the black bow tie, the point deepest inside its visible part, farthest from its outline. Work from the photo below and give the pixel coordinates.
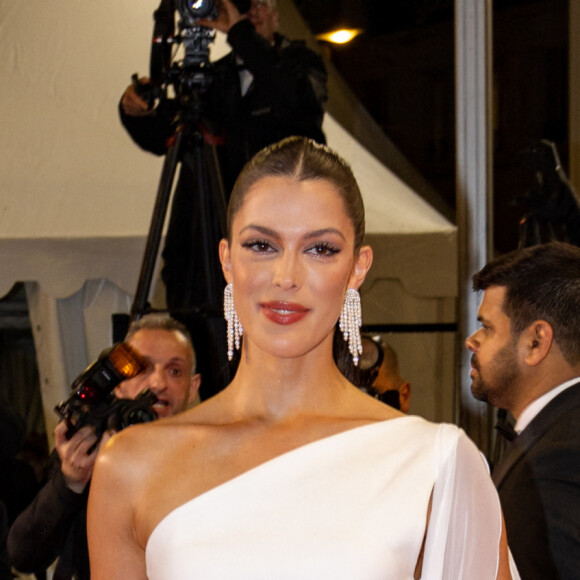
(506, 429)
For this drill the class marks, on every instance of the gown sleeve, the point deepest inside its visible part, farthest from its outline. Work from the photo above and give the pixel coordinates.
(465, 524)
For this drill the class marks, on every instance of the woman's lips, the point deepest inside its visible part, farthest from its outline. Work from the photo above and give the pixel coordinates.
(284, 312)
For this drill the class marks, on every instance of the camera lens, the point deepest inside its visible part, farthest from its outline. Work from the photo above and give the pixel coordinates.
(198, 8)
(137, 415)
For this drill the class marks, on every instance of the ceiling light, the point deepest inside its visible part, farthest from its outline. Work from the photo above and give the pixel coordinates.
(339, 36)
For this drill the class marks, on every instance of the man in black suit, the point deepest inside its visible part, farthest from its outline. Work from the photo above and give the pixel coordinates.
(526, 359)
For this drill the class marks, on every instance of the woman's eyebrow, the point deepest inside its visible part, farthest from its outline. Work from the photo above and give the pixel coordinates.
(323, 232)
(262, 229)
(309, 236)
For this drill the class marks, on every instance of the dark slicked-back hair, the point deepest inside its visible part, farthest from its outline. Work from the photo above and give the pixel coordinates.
(302, 159)
(542, 283)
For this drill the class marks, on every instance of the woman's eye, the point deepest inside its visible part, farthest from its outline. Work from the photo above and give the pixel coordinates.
(258, 246)
(323, 249)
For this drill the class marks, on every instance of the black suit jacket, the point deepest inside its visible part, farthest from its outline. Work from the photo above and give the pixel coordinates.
(538, 480)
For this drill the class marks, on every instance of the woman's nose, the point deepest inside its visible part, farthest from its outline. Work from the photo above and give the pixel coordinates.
(286, 271)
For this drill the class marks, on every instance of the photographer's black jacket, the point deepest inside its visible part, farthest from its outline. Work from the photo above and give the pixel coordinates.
(286, 98)
(53, 525)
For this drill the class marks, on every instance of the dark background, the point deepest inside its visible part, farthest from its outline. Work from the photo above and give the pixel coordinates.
(402, 70)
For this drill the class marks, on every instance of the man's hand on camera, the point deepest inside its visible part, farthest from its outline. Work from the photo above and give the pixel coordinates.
(228, 15)
(76, 461)
(132, 104)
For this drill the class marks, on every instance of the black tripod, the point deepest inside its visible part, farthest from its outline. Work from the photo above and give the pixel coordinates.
(198, 300)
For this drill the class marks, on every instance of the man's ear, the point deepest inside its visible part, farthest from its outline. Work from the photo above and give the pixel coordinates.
(361, 266)
(194, 384)
(405, 396)
(537, 340)
(224, 250)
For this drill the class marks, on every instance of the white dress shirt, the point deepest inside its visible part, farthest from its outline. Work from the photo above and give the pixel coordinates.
(536, 406)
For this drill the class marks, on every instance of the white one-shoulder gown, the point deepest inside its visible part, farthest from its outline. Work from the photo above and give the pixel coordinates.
(352, 506)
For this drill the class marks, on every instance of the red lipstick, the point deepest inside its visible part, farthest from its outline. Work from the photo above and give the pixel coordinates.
(283, 312)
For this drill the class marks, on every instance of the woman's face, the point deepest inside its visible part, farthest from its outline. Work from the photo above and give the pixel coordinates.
(291, 260)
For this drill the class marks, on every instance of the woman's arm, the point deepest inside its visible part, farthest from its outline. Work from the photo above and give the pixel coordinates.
(466, 537)
(114, 549)
(503, 572)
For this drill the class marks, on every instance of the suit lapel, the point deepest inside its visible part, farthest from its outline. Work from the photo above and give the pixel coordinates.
(512, 454)
(564, 402)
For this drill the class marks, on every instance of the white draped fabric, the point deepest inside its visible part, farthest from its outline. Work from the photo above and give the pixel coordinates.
(352, 506)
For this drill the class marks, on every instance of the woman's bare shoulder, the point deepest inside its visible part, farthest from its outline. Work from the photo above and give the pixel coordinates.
(138, 446)
(157, 438)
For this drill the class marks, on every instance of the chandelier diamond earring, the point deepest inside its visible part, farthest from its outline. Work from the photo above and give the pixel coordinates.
(350, 323)
(234, 330)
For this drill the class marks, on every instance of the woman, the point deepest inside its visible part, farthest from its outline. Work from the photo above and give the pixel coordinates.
(291, 471)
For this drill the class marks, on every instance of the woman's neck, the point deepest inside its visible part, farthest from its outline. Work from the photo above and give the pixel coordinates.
(277, 389)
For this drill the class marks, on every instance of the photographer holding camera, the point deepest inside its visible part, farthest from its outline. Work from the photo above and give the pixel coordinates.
(267, 88)
(54, 524)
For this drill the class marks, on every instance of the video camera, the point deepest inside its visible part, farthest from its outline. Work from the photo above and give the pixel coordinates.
(195, 38)
(92, 401)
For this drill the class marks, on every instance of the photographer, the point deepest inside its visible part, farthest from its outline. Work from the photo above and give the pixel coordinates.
(54, 524)
(267, 88)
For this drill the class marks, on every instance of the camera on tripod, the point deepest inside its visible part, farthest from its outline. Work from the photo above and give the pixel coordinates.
(193, 10)
(195, 38)
(92, 401)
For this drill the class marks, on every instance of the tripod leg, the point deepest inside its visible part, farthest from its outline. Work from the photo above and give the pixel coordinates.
(217, 186)
(212, 212)
(172, 157)
(201, 277)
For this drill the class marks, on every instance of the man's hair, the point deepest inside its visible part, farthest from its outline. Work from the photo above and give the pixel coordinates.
(162, 322)
(542, 283)
(271, 3)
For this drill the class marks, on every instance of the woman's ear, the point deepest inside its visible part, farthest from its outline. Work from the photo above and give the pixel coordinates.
(224, 249)
(361, 266)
